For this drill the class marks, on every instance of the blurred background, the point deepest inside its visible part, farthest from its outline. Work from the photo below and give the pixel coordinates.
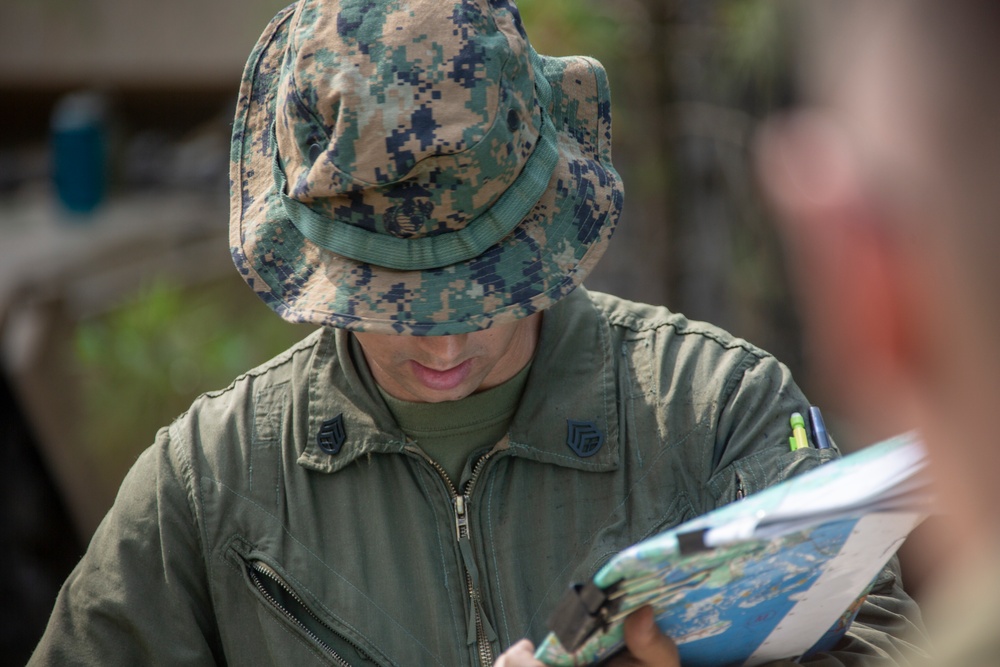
(118, 299)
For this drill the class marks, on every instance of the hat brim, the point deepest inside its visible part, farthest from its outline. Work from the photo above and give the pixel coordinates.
(545, 257)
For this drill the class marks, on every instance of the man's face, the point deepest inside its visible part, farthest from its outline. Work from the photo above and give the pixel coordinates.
(431, 369)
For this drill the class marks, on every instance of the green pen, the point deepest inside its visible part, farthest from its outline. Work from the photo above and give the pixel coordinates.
(799, 439)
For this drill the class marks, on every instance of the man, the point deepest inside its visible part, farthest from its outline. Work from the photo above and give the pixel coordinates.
(471, 431)
(886, 179)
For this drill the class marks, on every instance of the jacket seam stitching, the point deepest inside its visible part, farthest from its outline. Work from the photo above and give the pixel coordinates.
(306, 345)
(644, 326)
(625, 413)
(606, 347)
(749, 360)
(194, 500)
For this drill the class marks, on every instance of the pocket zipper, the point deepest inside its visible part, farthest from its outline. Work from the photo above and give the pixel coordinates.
(280, 595)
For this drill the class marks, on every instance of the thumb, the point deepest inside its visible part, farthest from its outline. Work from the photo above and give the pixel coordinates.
(646, 643)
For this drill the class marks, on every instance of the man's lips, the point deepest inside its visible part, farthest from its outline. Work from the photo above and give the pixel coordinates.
(441, 380)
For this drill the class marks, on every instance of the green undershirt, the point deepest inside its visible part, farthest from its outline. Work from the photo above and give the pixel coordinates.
(450, 432)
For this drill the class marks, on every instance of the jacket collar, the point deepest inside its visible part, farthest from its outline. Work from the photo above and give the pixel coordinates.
(570, 399)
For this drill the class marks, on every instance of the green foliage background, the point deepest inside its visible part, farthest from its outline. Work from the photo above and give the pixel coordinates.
(143, 363)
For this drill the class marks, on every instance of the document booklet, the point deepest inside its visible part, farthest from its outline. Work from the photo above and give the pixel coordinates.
(780, 574)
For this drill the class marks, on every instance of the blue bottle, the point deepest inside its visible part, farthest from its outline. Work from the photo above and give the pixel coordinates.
(79, 143)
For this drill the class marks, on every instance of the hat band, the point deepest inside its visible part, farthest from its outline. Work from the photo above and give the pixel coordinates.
(430, 252)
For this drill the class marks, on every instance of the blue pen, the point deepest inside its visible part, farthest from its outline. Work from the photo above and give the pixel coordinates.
(820, 436)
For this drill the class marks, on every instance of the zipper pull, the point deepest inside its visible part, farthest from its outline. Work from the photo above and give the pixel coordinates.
(461, 518)
(477, 610)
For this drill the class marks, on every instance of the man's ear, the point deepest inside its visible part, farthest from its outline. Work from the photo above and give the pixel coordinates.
(844, 262)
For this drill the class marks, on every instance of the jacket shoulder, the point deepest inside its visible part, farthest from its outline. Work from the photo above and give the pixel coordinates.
(721, 403)
(636, 320)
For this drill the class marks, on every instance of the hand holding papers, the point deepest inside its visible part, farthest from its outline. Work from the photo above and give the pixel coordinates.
(779, 574)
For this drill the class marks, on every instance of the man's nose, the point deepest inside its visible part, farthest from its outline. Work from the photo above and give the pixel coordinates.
(444, 352)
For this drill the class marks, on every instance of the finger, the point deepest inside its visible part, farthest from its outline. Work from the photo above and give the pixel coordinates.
(521, 654)
(646, 643)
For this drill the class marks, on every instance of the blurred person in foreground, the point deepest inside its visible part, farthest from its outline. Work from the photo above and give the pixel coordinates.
(887, 181)
(470, 430)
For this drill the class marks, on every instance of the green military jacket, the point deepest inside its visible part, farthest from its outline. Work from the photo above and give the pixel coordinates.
(286, 519)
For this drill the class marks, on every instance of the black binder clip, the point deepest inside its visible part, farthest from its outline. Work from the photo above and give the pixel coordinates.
(583, 610)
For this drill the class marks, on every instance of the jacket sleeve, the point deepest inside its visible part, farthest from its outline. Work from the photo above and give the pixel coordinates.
(752, 452)
(140, 594)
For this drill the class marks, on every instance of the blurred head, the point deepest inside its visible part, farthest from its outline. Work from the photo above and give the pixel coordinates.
(884, 179)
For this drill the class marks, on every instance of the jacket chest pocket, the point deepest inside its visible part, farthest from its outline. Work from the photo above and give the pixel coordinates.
(288, 617)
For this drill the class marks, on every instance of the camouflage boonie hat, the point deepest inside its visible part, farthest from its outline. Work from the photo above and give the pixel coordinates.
(414, 166)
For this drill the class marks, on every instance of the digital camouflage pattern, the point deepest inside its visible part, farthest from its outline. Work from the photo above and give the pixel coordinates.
(414, 167)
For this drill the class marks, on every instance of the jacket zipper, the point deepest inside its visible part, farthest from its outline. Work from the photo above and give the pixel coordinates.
(480, 630)
(260, 574)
